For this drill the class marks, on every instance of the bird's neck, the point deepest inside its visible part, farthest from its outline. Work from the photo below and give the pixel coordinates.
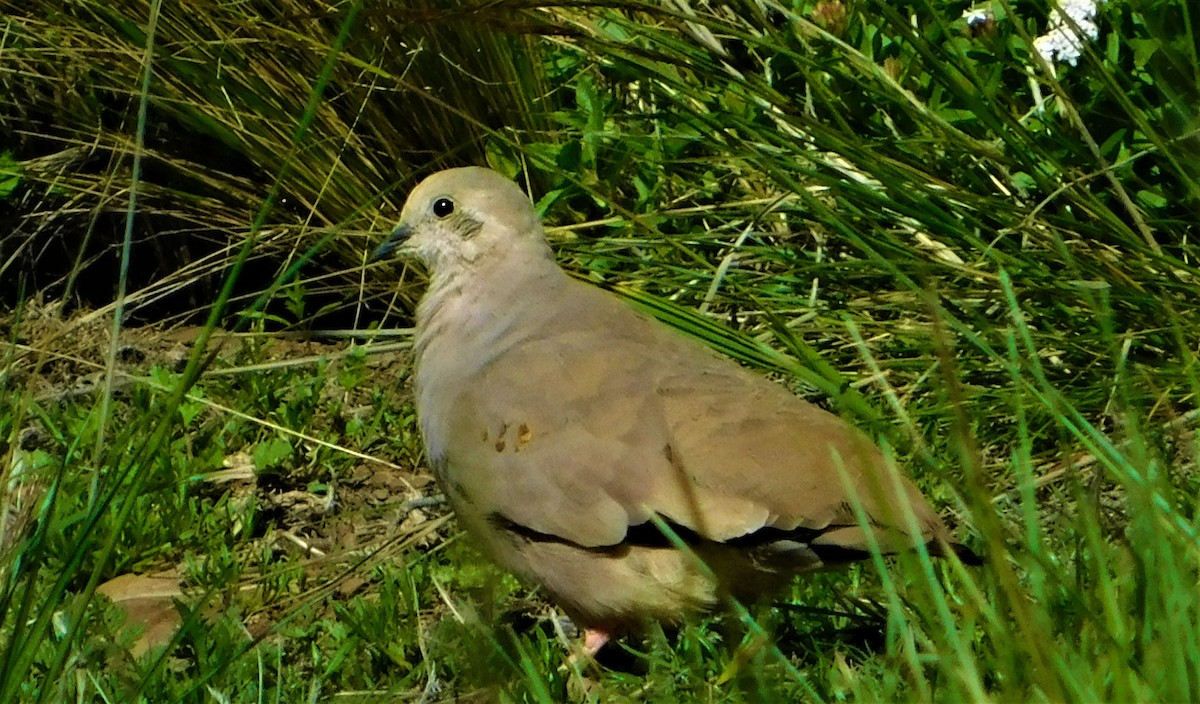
(471, 313)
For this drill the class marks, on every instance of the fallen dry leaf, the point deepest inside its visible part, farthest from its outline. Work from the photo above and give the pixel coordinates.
(148, 603)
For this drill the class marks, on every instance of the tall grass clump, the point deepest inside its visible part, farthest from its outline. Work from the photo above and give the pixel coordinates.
(904, 212)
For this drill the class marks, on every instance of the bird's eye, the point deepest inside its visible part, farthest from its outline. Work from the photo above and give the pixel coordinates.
(443, 207)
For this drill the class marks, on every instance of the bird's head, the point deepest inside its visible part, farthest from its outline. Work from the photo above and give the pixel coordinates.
(457, 217)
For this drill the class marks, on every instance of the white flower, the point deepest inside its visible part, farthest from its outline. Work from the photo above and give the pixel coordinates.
(1061, 42)
(1079, 10)
(978, 15)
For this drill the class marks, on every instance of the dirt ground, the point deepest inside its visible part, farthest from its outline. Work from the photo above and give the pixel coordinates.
(382, 504)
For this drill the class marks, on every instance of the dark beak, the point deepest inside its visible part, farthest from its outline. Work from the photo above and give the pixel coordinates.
(394, 241)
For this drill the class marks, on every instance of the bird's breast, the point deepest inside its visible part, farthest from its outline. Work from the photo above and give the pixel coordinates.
(460, 333)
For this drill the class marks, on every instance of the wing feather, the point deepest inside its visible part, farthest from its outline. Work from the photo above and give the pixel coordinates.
(594, 423)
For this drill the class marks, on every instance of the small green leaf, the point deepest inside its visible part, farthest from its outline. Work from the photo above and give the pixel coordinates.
(1023, 181)
(271, 454)
(570, 156)
(10, 174)
(1143, 49)
(1150, 199)
(501, 158)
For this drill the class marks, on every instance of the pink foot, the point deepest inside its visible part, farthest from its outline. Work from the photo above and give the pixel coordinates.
(593, 640)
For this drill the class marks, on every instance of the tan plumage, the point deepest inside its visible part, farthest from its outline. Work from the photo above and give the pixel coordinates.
(559, 421)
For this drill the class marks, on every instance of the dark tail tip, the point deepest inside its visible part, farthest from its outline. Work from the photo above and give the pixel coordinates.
(964, 553)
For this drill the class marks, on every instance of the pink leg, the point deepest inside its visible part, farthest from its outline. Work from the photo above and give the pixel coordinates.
(593, 640)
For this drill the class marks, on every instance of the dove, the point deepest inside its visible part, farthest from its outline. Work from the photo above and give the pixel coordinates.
(628, 470)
